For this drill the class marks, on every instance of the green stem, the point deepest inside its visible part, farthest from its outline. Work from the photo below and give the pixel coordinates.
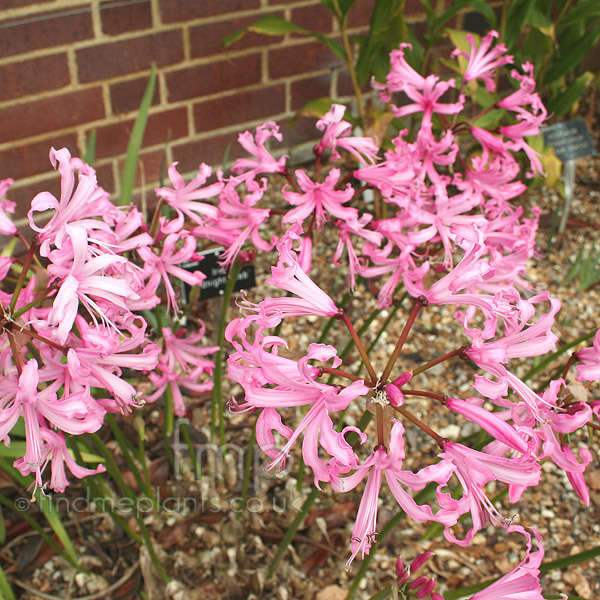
(248, 465)
(23, 274)
(350, 63)
(185, 432)
(291, 532)
(115, 473)
(98, 490)
(33, 304)
(127, 450)
(542, 365)
(217, 393)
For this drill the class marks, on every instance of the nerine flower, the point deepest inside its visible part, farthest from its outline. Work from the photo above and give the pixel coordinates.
(184, 198)
(483, 62)
(288, 275)
(319, 198)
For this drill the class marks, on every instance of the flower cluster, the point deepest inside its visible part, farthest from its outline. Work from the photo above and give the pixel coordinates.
(445, 226)
(453, 236)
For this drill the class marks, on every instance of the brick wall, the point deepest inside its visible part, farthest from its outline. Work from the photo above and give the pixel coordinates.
(68, 67)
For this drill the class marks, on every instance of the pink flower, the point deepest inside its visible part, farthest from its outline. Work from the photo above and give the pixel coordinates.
(289, 276)
(55, 449)
(263, 161)
(389, 462)
(71, 414)
(474, 470)
(319, 198)
(523, 582)
(424, 92)
(183, 198)
(74, 208)
(590, 357)
(161, 266)
(182, 364)
(336, 134)
(239, 219)
(7, 227)
(85, 280)
(482, 61)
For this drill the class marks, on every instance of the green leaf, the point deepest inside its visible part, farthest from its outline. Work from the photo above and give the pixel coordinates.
(275, 25)
(386, 30)
(49, 511)
(489, 120)
(516, 19)
(90, 149)
(5, 589)
(540, 14)
(479, 6)
(135, 142)
(572, 56)
(15, 450)
(586, 11)
(2, 526)
(568, 99)
(315, 108)
(537, 46)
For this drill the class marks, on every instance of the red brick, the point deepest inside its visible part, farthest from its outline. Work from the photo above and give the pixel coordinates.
(217, 76)
(39, 74)
(20, 3)
(150, 167)
(309, 89)
(19, 162)
(50, 114)
(175, 10)
(126, 96)
(119, 18)
(45, 30)
(239, 108)
(303, 58)
(210, 151)
(128, 56)
(205, 40)
(360, 13)
(112, 140)
(313, 18)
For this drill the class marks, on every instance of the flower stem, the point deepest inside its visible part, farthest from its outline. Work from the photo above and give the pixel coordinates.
(156, 218)
(350, 64)
(330, 371)
(436, 361)
(424, 394)
(217, 416)
(419, 303)
(23, 274)
(359, 345)
(38, 337)
(416, 421)
(37, 301)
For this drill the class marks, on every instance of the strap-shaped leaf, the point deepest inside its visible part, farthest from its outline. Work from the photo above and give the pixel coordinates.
(572, 55)
(135, 142)
(387, 30)
(275, 25)
(562, 103)
(517, 16)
